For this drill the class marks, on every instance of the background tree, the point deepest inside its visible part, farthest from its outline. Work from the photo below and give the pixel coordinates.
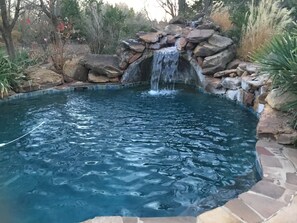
(71, 12)
(7, 7)
(61, 31)
(105, 25)
(169, 6)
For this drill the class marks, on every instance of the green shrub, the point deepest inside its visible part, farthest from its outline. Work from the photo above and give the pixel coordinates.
(8, 74)
(12, 71)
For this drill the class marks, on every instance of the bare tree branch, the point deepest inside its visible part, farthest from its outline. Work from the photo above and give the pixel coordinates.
(16, 14)
(169, 6)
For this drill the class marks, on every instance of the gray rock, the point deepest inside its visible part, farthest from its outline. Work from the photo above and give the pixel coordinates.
(152, 37)
(248, 99)
(248, 84)
(220, 59)
(105, 65)
(231, 83)
(171, 39)
(135, 57)
(216, 43)
(220, 42)
(199, 35)
(155, 46)
(249, 67)
(38, 79)
(224, 73)
(181, 43)
(208, 25)
(205, 50)
(278, 99)
(234, 64)
(74, 70)
(211, 70)
(252, 68)
(125, 58)
(213, 85)
(172, 29)
(134, 45)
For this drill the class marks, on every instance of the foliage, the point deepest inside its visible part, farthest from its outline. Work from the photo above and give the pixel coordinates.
(278, 58)
(105, 25)
(70, 9)
(11, 71)
(71, 13)
(264, 21)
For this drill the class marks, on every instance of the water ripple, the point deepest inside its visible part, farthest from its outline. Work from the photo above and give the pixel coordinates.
(127, 152)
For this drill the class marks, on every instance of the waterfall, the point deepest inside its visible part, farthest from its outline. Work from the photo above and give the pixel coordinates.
(164, 67)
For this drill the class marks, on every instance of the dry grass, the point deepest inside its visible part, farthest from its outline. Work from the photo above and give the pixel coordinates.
(264, 22)
(221, 16)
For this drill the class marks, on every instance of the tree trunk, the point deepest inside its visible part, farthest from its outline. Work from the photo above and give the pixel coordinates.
(7, 37)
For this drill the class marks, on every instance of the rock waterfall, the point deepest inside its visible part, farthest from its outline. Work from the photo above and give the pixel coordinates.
(164, 70)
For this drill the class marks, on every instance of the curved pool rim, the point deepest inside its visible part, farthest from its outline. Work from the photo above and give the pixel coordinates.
(251, 206)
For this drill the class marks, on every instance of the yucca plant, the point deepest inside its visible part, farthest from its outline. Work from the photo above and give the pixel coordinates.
(10, 73)
(278, 58)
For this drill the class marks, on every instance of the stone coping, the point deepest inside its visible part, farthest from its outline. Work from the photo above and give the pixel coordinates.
(272, 200)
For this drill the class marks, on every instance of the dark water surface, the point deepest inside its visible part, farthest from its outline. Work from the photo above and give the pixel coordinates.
(123, 152)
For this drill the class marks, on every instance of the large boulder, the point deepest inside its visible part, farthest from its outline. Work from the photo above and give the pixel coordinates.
(199, 35)
(151, 37)
(38, 78)
(205, 50)
(279, 100)
(219, 60)
(105, 65)
(220, 42)
(74, 70)
(215, 43)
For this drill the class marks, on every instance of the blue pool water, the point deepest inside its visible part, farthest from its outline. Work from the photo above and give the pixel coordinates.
(124, 152)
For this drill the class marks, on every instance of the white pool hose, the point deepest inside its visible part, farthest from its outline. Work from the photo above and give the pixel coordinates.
(4, 144)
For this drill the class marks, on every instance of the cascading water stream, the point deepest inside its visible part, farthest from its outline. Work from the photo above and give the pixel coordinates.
(164, 67)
